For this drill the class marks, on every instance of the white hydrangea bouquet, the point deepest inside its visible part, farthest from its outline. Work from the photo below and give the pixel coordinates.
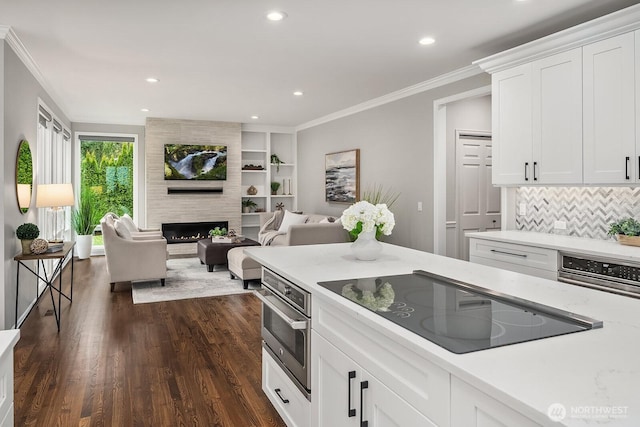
(367, 217)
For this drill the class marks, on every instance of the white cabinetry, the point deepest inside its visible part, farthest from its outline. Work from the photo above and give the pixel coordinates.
(537, 122)
(259, 143)
(348, 395)
(290, 403)
(540, 262)
(472, 408)
(610, 155)
(402, 388)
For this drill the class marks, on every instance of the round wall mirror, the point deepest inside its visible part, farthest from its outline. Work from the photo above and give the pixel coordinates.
(24, 176)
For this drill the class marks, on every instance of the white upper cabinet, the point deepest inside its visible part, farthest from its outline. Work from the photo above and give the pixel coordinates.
(557, 119)
(537, 122)
(610, 155)
(511, 123)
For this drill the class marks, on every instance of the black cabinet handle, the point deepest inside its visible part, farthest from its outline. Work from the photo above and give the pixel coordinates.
(535, 164)
(638, 176)
(277, 390)
(626, 168)
(526, 169)
(363, 385)
(352, 411)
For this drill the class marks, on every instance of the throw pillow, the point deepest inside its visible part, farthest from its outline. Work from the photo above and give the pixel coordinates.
(121, 229)
(290, 219)
(128, 222)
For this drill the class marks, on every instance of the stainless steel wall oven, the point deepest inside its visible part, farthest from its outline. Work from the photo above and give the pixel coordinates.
(286, 327)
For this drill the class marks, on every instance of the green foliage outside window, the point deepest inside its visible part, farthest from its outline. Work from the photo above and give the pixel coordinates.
(107, 169)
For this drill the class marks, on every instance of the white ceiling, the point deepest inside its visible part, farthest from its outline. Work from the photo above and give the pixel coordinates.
(222, 60)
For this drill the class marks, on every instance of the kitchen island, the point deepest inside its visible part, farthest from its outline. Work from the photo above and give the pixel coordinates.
(585, 378)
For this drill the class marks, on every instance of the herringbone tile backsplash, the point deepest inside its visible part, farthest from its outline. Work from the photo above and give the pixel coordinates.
(588, 211)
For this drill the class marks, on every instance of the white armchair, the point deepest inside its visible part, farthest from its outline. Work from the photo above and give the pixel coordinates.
(130, 259)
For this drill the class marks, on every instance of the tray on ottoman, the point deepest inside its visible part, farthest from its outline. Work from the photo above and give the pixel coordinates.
(211, 253)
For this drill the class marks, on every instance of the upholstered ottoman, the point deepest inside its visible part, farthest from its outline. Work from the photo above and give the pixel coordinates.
(216, 253)
(243, 267)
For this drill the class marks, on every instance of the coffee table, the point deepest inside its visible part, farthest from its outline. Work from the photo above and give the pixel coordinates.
(212, 254)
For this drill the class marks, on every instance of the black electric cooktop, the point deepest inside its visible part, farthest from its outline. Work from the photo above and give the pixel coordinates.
(458, 316)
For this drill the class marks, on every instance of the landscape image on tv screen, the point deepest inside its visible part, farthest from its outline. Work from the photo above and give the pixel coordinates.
(199, 162)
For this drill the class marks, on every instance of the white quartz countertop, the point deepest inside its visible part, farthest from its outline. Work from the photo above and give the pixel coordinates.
(579, 245)
(593, 369)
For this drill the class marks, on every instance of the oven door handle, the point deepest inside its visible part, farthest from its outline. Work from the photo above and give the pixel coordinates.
(294, 324)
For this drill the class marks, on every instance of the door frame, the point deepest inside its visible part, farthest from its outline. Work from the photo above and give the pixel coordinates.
(440, 164)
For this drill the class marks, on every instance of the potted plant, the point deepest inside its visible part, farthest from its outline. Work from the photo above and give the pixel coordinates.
(626, 231)
(247, 205)
(275, 160)
(84, 220)
(26, 233)
(218, 232)
(274, 187)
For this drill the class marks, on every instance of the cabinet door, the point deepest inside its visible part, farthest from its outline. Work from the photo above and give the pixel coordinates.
(384, 408)
(511, 123)
(609, 111)
(472, 408)
(557, 119)
(335, 400)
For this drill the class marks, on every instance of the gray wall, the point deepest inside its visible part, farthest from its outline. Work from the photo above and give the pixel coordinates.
(396, 149)
(21, 92)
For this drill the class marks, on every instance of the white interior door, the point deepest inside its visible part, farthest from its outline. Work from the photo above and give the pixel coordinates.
(477, 200)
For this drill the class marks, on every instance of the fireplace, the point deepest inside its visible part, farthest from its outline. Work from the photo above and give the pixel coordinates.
(188, 232)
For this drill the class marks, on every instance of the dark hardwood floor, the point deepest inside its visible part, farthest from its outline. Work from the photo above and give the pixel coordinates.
(180, 363)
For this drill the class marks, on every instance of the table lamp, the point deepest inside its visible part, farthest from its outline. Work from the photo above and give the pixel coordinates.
(55, 197)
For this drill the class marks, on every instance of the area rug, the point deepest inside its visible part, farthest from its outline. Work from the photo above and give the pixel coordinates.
(187, 278)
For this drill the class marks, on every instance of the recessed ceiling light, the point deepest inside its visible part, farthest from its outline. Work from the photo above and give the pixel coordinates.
(298, 93)
(255, 117)
(276, 16)
(426, 41)
(152, 80)
(144, 110)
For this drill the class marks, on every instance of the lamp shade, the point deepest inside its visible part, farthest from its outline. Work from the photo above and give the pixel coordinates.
(54, 195)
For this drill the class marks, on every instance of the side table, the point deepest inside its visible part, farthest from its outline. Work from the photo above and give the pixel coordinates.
(48, 279)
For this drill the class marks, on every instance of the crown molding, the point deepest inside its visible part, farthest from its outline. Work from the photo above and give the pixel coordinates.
(444, 79)
(614, 24)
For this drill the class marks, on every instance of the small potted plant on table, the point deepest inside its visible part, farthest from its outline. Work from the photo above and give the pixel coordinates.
(26, 233)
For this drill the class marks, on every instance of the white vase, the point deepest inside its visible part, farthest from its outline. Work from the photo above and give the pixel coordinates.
(83, 246)
(366, 247)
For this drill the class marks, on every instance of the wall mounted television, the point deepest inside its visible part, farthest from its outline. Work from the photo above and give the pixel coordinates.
(195, 162)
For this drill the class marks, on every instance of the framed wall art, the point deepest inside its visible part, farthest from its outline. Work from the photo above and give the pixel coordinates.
(342, 176)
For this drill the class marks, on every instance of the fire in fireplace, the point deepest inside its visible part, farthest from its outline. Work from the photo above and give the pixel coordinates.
(187, 232)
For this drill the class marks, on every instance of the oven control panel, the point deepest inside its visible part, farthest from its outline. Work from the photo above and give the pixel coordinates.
(601, 268)
(295, 295)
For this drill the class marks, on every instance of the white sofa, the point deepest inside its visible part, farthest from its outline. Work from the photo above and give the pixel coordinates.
(312, 232)
(130, 259)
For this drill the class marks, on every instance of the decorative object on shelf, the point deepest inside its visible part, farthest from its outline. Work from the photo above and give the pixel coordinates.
(259, 210)
(370, 293)
(276, 161)
(627, 231)
(252, 167)
(39, 246)
(247, 205)
(290, 187)
(274, 187)
(342, 176)
(252, 190)
(84, 220)
(366, 223)
(55, 197)
(27, 232)
(279, 206)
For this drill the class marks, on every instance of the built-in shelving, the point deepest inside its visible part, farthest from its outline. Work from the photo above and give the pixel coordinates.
(258, 144)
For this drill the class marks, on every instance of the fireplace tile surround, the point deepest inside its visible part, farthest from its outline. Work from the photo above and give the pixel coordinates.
(189, 232)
